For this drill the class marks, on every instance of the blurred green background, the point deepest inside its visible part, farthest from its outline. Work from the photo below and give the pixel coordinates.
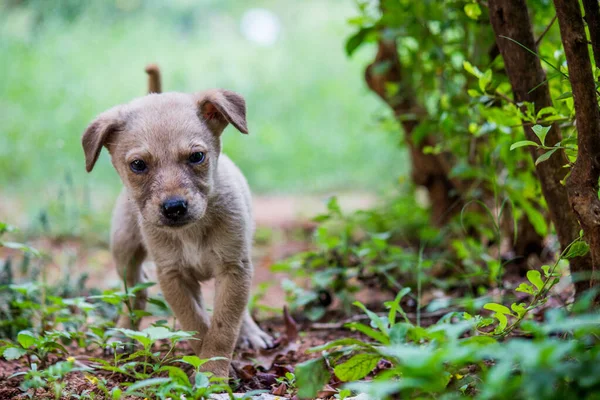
(314, 126)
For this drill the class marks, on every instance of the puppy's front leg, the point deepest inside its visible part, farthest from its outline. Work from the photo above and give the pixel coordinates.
(183, 296)
(231, 298)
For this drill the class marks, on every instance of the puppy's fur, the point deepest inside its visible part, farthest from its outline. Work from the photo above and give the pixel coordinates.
(215, 237)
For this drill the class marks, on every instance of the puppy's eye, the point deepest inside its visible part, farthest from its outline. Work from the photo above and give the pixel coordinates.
(138, 166)
(196, 158)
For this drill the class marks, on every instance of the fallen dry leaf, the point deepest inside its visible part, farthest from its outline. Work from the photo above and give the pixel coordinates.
(326, 392)
(280, 390)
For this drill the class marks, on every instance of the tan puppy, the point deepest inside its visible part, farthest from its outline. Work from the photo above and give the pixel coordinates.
(187, 206)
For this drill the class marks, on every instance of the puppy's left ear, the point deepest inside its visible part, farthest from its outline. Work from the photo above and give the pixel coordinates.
(219, 107)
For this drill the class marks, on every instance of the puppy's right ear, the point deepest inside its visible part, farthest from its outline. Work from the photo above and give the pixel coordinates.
(97, 135)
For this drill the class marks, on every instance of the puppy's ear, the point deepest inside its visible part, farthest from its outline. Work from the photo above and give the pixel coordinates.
(98, 133)
(219, 107)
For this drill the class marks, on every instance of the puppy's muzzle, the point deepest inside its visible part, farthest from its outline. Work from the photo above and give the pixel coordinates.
(175, 211)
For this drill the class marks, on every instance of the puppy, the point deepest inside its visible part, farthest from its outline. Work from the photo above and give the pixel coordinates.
(188, 207)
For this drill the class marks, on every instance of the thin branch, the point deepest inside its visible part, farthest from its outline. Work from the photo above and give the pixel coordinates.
(539, 39)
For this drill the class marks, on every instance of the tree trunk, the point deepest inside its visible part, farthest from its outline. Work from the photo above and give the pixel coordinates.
(582, 184)
(592, 17)
(428, 170)
(510, 19)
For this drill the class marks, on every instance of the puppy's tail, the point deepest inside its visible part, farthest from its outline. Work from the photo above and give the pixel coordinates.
(154, 85)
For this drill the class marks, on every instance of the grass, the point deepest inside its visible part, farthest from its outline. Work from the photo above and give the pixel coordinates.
(312, 121)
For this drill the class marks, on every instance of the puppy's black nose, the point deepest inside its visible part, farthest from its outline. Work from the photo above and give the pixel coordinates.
(174, 208)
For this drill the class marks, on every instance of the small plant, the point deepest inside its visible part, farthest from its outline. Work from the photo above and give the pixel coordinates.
(51, 377)
(36, 348)
(538, 287)
(286, 385)
(143, 363)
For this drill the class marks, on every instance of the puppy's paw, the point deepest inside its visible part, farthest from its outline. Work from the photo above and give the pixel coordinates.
(252, 337)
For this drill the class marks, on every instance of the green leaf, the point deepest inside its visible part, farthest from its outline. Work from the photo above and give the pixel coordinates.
(519, 309)
(399, 332)
(535, 278)
(26, 339)
(176, 374)
(157, 332)
(141, 286)
(116, 393)
(333, 206)
(577, 249)
(146, 383)
(499, 308)
(502, 322)
(159, 303)
(525, 288)
(340, 343)
(541, 132)
(21, 247)
(375, 319)
(196, 361)
(473, 93)
(370, 332)
(14, 353)
(311, 376)
(545, 156)
(546, 269)
(473, 70)
(139, 336)
(394, 306)
(201, 380)
(357, 367)
(485, 80)
(473, 11)
(356, 40)
(565, 95)
(478, 340)
(545, 111)
(523, 143)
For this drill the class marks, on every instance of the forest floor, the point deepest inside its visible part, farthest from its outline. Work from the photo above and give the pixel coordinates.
(283, 229)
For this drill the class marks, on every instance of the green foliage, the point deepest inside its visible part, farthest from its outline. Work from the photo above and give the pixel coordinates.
(289, 380)
(51, 378)
(451, 71)
(353, 251)
(154, 374)
(38, 347)
(32, 303)
(448, 358)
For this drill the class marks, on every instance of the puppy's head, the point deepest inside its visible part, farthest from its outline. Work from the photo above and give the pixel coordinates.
(165, 148)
